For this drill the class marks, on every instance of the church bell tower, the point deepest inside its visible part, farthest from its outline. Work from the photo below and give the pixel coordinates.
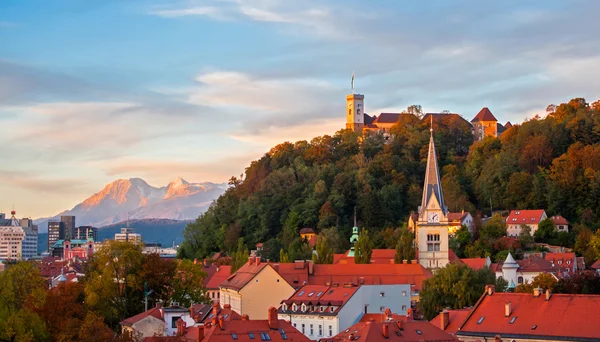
(355, 107)
(432, 225)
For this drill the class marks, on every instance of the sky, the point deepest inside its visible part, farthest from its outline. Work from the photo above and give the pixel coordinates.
(96, 90)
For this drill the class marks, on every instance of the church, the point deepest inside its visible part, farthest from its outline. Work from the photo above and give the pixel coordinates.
(483, 124)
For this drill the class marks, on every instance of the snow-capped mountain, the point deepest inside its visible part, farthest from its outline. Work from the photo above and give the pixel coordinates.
(135, 199)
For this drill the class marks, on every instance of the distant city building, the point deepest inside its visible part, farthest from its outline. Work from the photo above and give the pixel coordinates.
(71, 249)
(85, 232)
(18, 238)
(128, 235)
(56, 231)
(69, 222)
(518, 218)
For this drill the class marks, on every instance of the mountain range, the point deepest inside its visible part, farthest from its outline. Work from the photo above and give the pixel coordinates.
(129, 199)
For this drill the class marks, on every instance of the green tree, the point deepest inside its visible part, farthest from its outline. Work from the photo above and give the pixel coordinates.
(545, 230)
(583, 282)
(459, 241)
(290, 228)
(525, 238)
(495, 228)
(324, 253)
(240, 257)
(362, 248)
(545, 281)
(404, 247)
(454, 286)
(501, 284)
(113, 281)
(187, 287)
(22, 294)
(283, 256)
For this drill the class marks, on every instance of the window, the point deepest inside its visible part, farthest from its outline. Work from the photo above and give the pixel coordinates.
(433, 242)
(330, 330)
(300, 294)
(403, 307)
(320, 330)
(310, 294)
(294, 307)
(382, 294)
(382, 308)
(234, 336)
(303, 330)
(251, 335)
(265, 337)
(319, 294)
(481, 320)
(294, 325)
(303, 307)
(174, 322)
(404, 293)
(512, 320)
(312, 331)
(520, 280)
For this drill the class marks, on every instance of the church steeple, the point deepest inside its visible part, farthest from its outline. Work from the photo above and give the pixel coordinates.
(432, 188)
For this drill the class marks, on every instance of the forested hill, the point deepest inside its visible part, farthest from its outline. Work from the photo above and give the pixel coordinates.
(551, 163)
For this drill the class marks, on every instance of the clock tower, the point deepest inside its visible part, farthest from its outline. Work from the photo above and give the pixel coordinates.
(355, 112)
(432, 225)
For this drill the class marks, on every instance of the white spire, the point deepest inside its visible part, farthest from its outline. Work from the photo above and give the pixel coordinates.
(510, 262)
(432, 186)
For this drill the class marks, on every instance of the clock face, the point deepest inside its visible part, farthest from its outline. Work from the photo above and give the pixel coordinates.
(433, 217)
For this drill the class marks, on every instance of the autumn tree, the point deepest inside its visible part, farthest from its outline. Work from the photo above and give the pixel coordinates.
(113, 281)
(324, 253)
(22, 295)
(283, 256)
(545, 281)
(362, 248)
(157, 273)
(582, 282)
(187, 286)
(525, 237)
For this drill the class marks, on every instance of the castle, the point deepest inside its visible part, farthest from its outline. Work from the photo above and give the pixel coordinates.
(484, 123)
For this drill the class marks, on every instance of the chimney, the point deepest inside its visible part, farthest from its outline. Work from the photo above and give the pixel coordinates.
(415, 261)
(272, 317)
(400, 325)
(221, 322)
(206, 263)
(311, 267)
(507, 309)
(250, 260)
(385, 330)
(537, 292)
(490, 289)
(214, 320)
(180, 327)
(497, 338)
(200, 333)
(351, 337)
(387, 314)
(445, 319)
(245, 317)
(195, 261)
(227, 306)
(409, 314)
(405, 261)
(548, 294)
(257, 260)
(215, 309)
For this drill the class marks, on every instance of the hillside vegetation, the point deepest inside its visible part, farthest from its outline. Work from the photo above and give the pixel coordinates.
(551, 163)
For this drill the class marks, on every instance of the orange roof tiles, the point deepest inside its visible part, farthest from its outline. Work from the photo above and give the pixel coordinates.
(295, 273)
(596, 265)
(244, 275)
(378, 256)
(474, 263)
(484, 115)
(369, 274)
(557, 219)
(321, 295)
(455, 319)
(524, 217)
(154, 312)
(457, 216)
(307, 231)
(529, 264)
(406, 331)
(221, 274)
(562, 317)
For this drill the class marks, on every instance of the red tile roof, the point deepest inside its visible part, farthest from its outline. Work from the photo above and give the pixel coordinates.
(307, 231)
(529, 264)
(596, 265)
(524, 217)
(508, 125)
(474, 263)
(564, 316)
(557, 219)
(154, 312)
(378, 256)
(244, 275)
(386, 316)
(216, 310)
(295, 273)
(455, 319)
(321, 295)
(369, 274)
(484, 115)
(388, 118)
(406, 331)
(457, 216)
(218, 277)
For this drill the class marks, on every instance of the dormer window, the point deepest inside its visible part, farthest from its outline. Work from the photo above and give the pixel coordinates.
(284, 307)
(568, 262)
(332, 309)
(303, 308)
(294, 307)
(560, 262)
(322, 308)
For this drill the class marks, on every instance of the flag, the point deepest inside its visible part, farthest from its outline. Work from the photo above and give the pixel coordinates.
(352, 80)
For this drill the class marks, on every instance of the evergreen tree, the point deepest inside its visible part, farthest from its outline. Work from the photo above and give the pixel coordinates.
(362, 248)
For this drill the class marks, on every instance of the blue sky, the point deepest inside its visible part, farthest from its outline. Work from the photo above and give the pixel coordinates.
(95, 90)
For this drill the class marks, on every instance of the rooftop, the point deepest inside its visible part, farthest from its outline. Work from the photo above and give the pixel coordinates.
(321, 295)
(221, 274)
(406, 331)
(561, 317)
(154, 312)
(525, 216)
(484, 115)
(455, 319)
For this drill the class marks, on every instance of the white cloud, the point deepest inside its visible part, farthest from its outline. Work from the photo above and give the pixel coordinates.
(208, 11)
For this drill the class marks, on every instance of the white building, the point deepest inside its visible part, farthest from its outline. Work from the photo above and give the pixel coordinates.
(320, 311)
(128, 235)
(18, 238)
(522, 271)
(517, 218)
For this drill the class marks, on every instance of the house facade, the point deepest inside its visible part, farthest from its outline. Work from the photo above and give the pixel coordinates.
(560, 223)
(254, 288)
(522, 271)
(517, 218)
(319, 311)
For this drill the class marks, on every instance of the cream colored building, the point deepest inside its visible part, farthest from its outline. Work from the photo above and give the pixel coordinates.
(254, 288)
(11, 242)
(128, 235)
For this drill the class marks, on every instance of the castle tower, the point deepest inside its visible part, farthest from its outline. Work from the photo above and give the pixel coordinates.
(484, 124)
(355, 108)
(432, 224)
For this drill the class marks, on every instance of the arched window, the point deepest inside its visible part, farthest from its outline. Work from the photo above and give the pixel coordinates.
(520, 280)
